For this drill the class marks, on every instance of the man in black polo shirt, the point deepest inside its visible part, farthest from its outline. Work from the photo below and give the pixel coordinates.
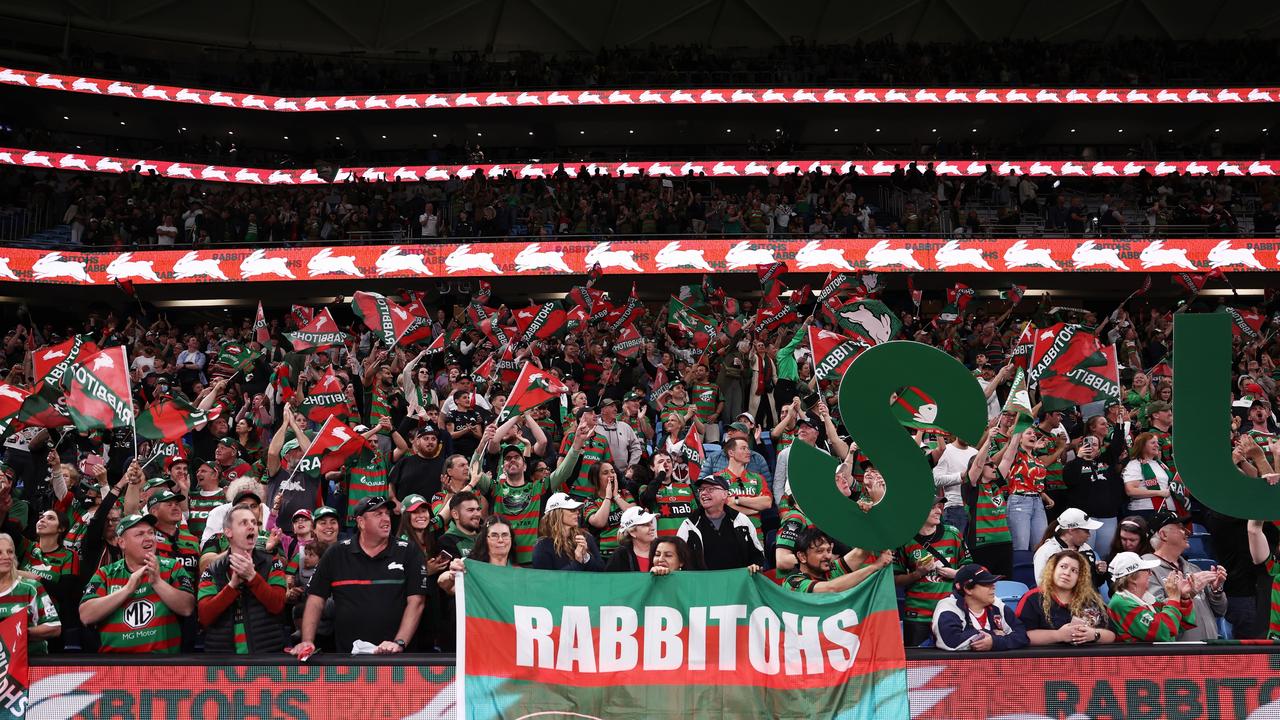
(378, 585)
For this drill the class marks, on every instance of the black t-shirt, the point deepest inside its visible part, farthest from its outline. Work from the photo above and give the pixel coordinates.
(416, 475)
(467, 444)
(1231, 549)
(1031, 612)
(301, 492)
(1095, 488)
(370, 610)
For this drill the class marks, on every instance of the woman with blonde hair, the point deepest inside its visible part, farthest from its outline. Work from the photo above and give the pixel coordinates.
(563, 544)
(18, 593)
(1065, 608)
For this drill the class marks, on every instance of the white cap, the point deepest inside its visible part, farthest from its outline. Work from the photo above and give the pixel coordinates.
(750, 418)
(561, 501)
(1076, 519)
(635, 515)
(1127, 563)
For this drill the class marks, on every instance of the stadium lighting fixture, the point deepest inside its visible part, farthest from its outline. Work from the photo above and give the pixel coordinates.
(836, 130)
(728, 130)
(877, 129)
(384, 137)
(64, 117)
(933, 130)
(1073, 129)
(434, 135)
(1120, 130)
(121, 122)
(631, 132)
(1169, 130)
(1217, 129)
(530, 133)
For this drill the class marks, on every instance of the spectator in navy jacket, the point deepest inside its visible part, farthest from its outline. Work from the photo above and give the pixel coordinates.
(973, 618)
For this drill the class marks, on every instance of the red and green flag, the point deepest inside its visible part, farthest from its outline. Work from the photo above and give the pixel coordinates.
(170, 417)
(1246, 323)
(233, 357)
(52, 362)
(1014, 294)
(260, 331)
(711, 645)
(321, 333)
(301, 314)
(539, 322)
(15, 675)
(532, 387)
(688, 323)
(284, 377)
(98, 393)
(692, 453)
(420, 328)
(629, 343)
(628, 313)
(12, 398)
(832, 353)
(1024, 346)
(835, 284)
(327, 398)
(385, 318)
(958, 298)
(335, 443)
(484, 291)
(1069, 367)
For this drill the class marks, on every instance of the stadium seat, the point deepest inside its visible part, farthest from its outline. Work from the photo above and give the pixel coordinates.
(1200, 546)
(1010, 591)
(1224, 629)
(1023, 567)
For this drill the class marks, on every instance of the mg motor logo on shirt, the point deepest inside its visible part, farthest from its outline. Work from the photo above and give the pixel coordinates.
(139, 613)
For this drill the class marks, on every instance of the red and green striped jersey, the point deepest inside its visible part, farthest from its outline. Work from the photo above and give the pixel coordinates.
(609, 535)
(199, 505)
(366, 478)
(800, 582)
(748, 484)
(521, 508)
(673, 408)
(53, 565)
(674, 502)
(1053, 472)
(1273, 569)
(208, 589)
(1261, 437)
(594, 451)
(144, 624)
(998, 441)
(182, 546)
(991, 519)
(1135, 621)
(923, 595)
(792, 524)
(785, 439)
(1026, 475)
(79, 517)
(30, 594)
(705, 398)
(1166, 447)
(378, 406)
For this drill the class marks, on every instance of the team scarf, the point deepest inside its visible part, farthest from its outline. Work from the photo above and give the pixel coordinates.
(1177, 491)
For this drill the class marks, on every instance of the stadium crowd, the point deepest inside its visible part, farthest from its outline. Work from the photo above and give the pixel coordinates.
(232, 522)
(138, 210)
(1129, 62)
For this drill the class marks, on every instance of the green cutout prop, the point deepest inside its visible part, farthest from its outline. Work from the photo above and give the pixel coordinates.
(865, 390)
(1202, 421)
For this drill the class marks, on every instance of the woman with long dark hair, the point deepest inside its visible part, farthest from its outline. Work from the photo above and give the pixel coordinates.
(670, 554)
(1146, 477)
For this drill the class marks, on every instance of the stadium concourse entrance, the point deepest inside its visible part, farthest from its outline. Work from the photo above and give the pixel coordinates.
(1189, 681)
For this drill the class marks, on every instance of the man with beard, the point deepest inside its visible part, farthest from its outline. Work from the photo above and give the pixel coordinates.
(816, 572)
(418, 471)
(465, 516)
(137, 601)
(378, 586)
(242, 593)
(226, 456)
(381, 398)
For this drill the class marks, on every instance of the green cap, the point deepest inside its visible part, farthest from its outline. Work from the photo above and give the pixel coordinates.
(164, 496)
(129, 521)
(324, 511)
(156, 482)
(411, 502)
(740, 427)
(289, 446)
(229, 442)
(1157, 406)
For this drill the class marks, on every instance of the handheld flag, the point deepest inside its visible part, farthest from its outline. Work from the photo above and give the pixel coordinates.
(832, 353)
(693, 454)
(539, 322)
(532, 388)
(335, 443)
(915, 409)
(260, 331)
(319, 334)
(233, 357)
(629, 343)
(386, 319)
(170, 417)
(326, 399)
(870, 319)
(99, 396)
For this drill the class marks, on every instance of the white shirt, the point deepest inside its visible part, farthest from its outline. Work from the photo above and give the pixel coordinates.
(953, 461)
(1133, 473)
(163, 236)
(1046, 551)
(993, 402)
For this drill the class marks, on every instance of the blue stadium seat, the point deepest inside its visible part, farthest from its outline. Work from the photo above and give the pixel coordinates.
(1023, 567)
(1224, 629)
(1010, 592)
(1202, 562)
(1200, 546)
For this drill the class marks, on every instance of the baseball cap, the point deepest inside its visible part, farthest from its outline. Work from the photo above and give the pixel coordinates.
(1127, 563)
(606, 402)
(635, 515)
(510, 448)
(561, 501)
(164, 496)
(129, 521)
(156, 482)
(806, 419)
(409, 503)
(1046, 413)
(739, 427)
(1158, 406)
(302, 512)
(1110, 404)
(289, 446)
(427, 430)
(371, 503)
(172, 460)
(244, 494)
(324, 511)
(1162, 518)
(1076, 519)
(634, 395)
(229, 442)
(750, 418)
(975, 574)
(712, 480)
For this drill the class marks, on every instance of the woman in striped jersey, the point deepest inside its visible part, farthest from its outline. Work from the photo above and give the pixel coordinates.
(986, 495)
(604, 512)
(671, 500)
(1135, 613)
(17, 593)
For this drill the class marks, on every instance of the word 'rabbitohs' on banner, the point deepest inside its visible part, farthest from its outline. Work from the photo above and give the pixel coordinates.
(710, 645)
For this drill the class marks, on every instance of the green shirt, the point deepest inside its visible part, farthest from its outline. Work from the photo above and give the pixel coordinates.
(143, 624)
(30, 594)
(800, 582)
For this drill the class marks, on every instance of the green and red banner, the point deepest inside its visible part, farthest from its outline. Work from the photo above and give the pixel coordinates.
(710, 645)
(98, 392)
(320, 333)
(15, 679)
(170, 417)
